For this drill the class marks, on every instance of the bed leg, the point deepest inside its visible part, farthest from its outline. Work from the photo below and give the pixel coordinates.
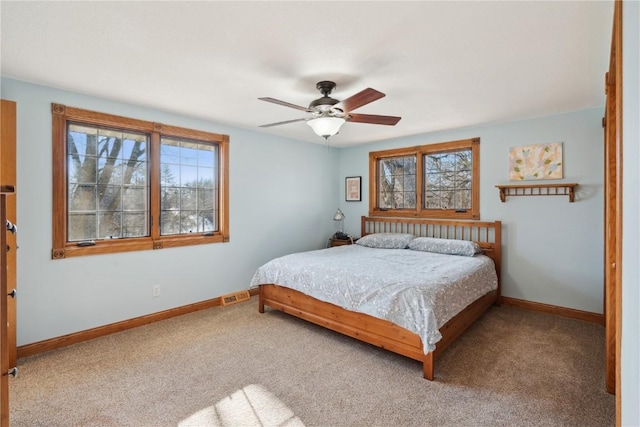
(260, 304)
(427, 366)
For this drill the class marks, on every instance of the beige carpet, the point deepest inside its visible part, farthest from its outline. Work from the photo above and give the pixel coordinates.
(234, 367)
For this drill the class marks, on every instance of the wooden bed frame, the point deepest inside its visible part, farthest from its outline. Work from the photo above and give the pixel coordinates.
(383, 333)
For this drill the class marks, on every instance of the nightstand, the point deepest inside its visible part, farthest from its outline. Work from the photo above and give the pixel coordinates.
(340, 242)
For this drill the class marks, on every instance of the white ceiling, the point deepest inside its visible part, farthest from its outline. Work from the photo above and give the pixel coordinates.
(442, 65)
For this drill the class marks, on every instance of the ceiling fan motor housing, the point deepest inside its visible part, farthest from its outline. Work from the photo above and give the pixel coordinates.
(326, 102)
(325, 87)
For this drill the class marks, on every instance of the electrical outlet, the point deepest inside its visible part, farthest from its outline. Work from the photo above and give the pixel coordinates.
(155, 291)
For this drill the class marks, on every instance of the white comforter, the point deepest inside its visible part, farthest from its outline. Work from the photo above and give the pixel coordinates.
(419, 291)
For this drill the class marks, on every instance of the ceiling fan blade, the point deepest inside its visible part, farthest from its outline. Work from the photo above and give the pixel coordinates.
(282, 123)
(286, 104)
(359, 99)
(374, 119)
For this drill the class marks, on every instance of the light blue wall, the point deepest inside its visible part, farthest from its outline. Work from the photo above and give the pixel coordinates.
(282, 200)
(630, 354)
(552, 249)
(282, 196)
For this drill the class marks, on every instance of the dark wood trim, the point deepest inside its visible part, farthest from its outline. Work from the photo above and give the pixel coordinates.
(554, 309)
(89, 334)
(58, 215)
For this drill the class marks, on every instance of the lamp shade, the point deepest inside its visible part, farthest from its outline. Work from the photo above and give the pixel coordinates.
(339, 216)
(326, 126)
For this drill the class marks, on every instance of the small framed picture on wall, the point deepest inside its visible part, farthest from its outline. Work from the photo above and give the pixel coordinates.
(352, 188)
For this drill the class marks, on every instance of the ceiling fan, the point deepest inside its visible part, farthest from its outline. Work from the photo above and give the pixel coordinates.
(329, 114)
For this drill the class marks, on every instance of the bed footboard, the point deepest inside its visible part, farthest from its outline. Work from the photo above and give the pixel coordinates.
(363, 327)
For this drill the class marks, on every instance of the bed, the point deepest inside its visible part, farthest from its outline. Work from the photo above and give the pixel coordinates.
(415, 334)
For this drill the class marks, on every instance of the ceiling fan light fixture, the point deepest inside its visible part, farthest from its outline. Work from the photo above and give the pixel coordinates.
(326, 126)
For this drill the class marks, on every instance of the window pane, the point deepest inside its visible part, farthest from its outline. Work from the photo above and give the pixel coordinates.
(170, 222)
(133, 146)
(463, 199)
(188, 179)
(433, 200)
(206, 155)
(448, 180)
(170, 199)
(188, 198)
(410, 183)
(398, 200)
(109, 225)
(82, 169)
(134, 199)
(189, 154)
(82, 197)
(81, 227)
(102, 165)
(188, 176)
(134, 224)
(135, 173)
(397, 183)
(188, 221)
(205, 199)
(109, 197)
(170, 175)
(170, 151)
(206, 221)
(109, 143)
(410, 165)
(206, 177)
(109, 171)
(82, 140)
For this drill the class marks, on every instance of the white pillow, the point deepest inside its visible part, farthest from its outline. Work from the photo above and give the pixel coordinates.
(386, 240)
(445, 246)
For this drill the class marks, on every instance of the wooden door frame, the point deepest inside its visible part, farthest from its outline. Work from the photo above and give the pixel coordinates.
(8, 178)
(8, 349)
(617, 52)
(613, 212)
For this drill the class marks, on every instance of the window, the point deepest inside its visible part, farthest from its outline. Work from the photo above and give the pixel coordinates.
(122, 184)
(429, 181)
(187, 187)
(107, 191)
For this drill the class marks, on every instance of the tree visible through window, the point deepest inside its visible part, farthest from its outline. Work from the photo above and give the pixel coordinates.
(447, 180)
(107, 187)
(122, 184)
(438, 180)
(187, 186)
(397, 183)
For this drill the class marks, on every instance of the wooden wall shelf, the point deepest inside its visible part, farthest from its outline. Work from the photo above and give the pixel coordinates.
(564, 189)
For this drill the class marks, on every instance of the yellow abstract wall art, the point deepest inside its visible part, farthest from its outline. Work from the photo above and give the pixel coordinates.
(538, 161)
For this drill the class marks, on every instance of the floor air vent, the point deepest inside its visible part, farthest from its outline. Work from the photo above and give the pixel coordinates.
(235, 297)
